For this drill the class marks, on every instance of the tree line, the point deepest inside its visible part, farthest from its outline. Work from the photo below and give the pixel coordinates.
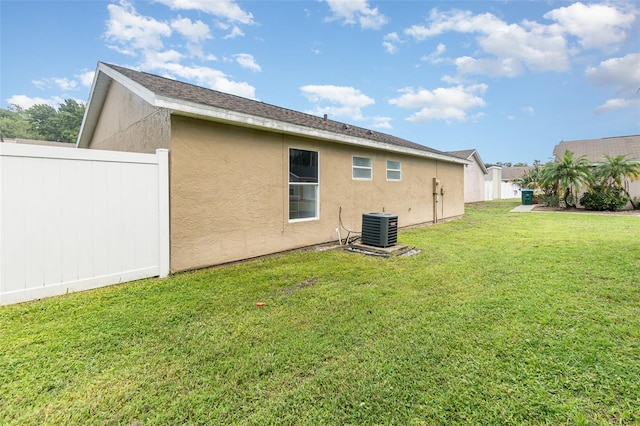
(506, 164)
(43, 122)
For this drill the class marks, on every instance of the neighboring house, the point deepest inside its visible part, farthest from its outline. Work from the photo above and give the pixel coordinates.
(496, 187)
(474, 175)
(509, 189)
(484, 184)
(39, 142)
(509, 174)
(595, 149)
(249, 178)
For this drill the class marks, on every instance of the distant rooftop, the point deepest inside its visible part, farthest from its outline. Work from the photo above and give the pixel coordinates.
(511, 173)
(466, 154)
(594, 149)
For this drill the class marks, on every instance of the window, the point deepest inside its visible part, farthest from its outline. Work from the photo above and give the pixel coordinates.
(361, 168)
(303, 184)
(394, 170)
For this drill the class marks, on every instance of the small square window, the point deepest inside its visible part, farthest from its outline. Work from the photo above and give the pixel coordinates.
(361, 168)
(394, 170)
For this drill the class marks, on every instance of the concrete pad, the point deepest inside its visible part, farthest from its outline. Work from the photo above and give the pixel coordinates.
(523, 209)
(397, 250)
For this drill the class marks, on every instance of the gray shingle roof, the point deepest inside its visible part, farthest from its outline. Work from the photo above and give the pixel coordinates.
(594, 149)
(465, 153)
(511, 173)
(192, 93)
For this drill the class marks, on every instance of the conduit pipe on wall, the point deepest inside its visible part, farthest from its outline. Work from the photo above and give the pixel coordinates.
(435, 208)
(436, 194)
(442, 203)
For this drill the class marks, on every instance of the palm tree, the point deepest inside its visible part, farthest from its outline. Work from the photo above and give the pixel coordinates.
(531, 178)
(568, 175)
(618, 171)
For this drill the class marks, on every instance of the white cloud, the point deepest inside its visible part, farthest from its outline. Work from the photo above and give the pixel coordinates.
(61, 83)
(338, 94)
(344, 101)
(142, 37)
(391, 41)
(596, 26)
(618, 103)
(209, 78)
(529, 110)
(195, 32)
(536, 46)
(26, 102)
(158, 60)
(622, 74)
(435, 57)
(505, 67)
(449, 104)
(65, 83)
(235, 32)
(86, 78)
(509, 48)
(40, 84)
(356, 11)
(382, 122)
(247, 61)
(224, 9)
(129, 32)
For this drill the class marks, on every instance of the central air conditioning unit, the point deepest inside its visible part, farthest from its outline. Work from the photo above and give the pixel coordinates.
(379, 229)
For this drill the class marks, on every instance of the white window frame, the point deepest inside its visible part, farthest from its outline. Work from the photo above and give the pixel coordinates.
(290, 185)
(399, 170)
(354, 167)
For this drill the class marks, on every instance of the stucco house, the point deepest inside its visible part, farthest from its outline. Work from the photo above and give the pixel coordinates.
(474, 175)
(595, 149)
(248, 178)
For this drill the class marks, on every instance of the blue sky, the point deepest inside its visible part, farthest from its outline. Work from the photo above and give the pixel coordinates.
(508, 78)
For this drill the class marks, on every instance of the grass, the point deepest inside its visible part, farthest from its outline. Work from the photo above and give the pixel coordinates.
(504, 318)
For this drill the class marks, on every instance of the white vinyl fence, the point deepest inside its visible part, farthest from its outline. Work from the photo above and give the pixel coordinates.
(76, 219)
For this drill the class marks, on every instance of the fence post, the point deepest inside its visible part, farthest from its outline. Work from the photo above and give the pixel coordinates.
(163, 211)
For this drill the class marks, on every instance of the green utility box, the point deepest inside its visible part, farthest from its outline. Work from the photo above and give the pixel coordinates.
(527, 197)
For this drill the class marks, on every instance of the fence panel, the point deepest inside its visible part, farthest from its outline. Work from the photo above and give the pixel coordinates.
(74, 219)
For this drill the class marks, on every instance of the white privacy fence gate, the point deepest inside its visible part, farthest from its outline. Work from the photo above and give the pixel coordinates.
(75, 219)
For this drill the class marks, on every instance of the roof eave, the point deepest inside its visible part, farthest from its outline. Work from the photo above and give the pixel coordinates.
(480, 162)
(192, 109)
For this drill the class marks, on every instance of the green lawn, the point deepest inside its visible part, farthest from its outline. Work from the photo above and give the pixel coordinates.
(504, 318)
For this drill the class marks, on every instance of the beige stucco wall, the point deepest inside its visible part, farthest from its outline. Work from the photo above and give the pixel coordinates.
(229, 192)
(473, 182)
(127, 123)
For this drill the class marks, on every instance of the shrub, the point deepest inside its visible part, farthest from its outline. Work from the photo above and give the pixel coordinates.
(608, 198)
(551, 200)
